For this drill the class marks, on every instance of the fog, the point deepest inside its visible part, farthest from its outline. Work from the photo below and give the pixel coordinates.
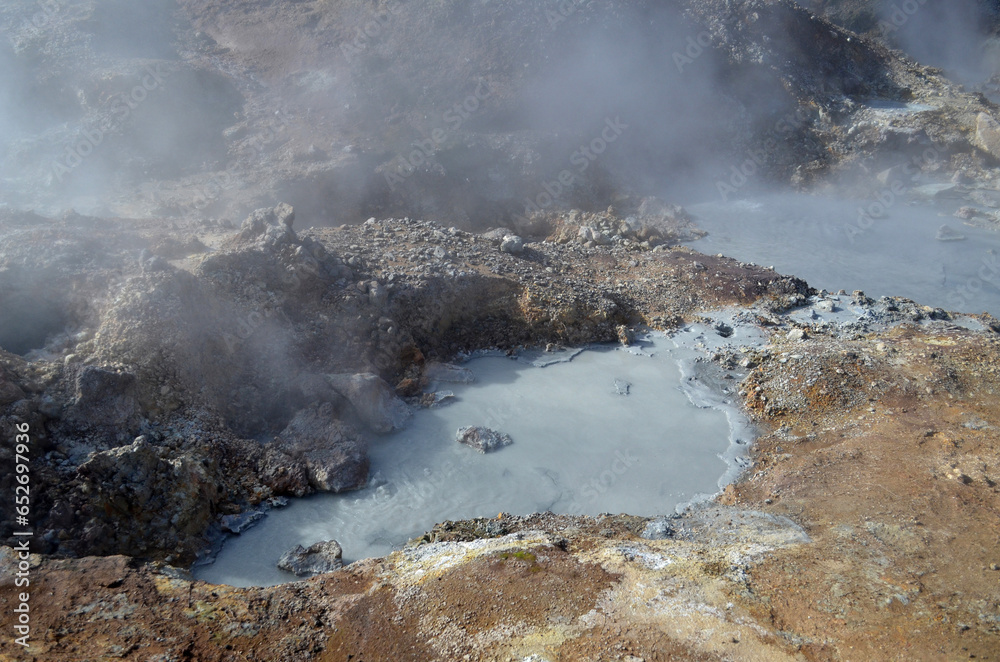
(951, 34)
(188, 109)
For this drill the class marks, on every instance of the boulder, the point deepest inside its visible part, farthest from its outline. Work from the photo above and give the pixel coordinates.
(988, 135)
(482, 439)
(512, 244)
(303, 561)
(375, 402)
(335, 460)
(144, 500)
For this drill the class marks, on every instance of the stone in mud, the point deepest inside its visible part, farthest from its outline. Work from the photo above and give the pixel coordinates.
(375, 402)
(335, 460)
(303, 561)
(482, 439)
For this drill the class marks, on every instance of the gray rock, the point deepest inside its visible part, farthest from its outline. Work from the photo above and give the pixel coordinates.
(267, 228)
(622, 387)
(512, 244)
(797, 334)
(335, 460)
(495, 236)
(241, 522)
(482, 439)
(988, 135)
(659, 529)
(107, 400)
(593, 234)
(374, 400)
(321, 557)
(826, 306)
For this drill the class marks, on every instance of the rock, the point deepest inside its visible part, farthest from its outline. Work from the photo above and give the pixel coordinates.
(625, 335)
(144, 499)
(588, 233)
(797, 334)
(482, 439)
(408, 387)
(241, 522)
(622, 387)
(988, 135)
(335, 460)
(321, 557)
(107, 399)
(374, 400)
(947, 233)
(658, 529)
(9, 391)
(512, 244)
(826, 305)
(266, 228)
(496, 236)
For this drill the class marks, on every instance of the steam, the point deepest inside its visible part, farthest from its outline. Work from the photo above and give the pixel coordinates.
(949, 34)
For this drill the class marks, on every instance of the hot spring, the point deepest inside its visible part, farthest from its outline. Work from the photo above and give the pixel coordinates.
(599, 430)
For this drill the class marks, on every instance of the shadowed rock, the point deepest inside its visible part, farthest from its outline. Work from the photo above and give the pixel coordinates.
(335, 459)
(304, 561)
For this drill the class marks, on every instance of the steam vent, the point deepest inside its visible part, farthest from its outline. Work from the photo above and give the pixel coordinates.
(499, 330)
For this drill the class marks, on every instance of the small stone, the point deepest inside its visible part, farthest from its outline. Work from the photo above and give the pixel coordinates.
(482, 439)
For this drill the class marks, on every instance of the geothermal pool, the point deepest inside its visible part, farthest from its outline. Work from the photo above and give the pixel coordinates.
(825, 241)
(601, 430)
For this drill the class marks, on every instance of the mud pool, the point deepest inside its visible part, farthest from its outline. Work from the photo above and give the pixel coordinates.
(828, 243)
(603, 430)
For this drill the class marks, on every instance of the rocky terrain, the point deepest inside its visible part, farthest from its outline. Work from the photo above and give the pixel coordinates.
(237, 240)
